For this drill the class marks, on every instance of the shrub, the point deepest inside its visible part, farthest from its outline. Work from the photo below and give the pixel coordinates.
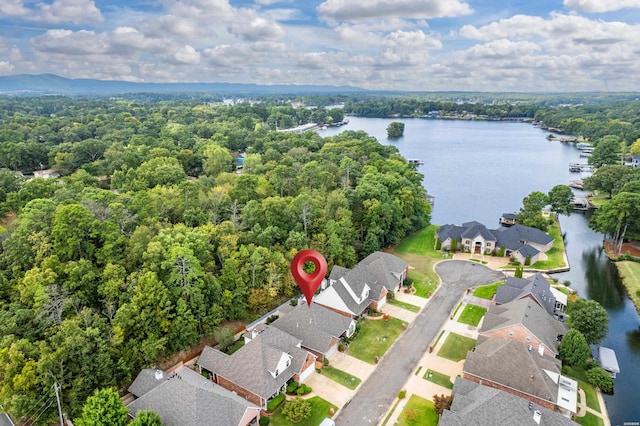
(272, 318)
(408, 282)
(326, 362)
(527, 261)
(601, 379)
(402, 394)
(391, 295)
(454, 245)
(501, 252)
(275, 402)
(438, 245)
(566, 283)
(294, 302)
(341, 347)
(264, 421)
(297, 410)
(291, 387)
(303, 390)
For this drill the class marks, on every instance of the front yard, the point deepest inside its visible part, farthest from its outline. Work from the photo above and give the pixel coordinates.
(342, 377)
(418, 412)
(487, 291)
(456, 347)
(472, 314)
(375, 336)
(320, 409)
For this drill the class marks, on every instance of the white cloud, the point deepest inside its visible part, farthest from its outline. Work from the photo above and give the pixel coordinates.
(601, 6)
(6, 67)
(250, 26)
(55, 12)
(271, 2)
(187, 55)
(348, 10)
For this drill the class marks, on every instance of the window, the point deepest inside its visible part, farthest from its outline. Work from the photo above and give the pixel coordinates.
(288, 362)
(488, 244)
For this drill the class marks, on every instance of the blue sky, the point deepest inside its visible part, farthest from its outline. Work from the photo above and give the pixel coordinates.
(426, 45)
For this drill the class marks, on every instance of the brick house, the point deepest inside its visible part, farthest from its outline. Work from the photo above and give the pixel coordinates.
(262, 368)
(526, 322)
(535, 287)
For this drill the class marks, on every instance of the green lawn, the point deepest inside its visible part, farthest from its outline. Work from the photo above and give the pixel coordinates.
(424, 283)
(589, 420)
(418, 412)
(590, 392)
(487, 291)
(555, 256)
(319, 411)
(342, 377)
(472, 314)
(456, 346)
(374, 338)
(630, 274)
(438, 378)
(422, 242)
(404, 305)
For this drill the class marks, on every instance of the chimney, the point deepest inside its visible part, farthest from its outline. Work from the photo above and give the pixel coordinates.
(159, 374)
(537, 416)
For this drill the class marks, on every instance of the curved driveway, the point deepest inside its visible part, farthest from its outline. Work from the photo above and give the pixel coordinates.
(376, 394)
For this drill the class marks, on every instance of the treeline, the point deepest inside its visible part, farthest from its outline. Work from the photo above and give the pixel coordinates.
(416, 107)
(151, 239)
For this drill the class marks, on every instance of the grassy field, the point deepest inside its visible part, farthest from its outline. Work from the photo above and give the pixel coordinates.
(555, 256)
(342, 377)
(422, 242)
(455, 347)
(487, 291)
(418, 412)
(472, 314)
(589, 420)
(591, 395)
(630, 274)
(425, 283)
(319, 411)
(418, 250)
(438, 378)
(404, 305)
(374, 338)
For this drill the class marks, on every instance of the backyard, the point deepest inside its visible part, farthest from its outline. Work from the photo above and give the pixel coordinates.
(630, 273)
(555, 256)
(418, 250)
(375, 336)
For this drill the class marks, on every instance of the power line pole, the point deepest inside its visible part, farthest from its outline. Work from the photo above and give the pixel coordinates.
(56, 387)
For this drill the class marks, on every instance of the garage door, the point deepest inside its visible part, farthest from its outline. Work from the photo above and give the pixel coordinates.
(306, 373)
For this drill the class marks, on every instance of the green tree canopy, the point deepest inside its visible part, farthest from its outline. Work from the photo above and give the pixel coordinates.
(395, 129)
(146, 418)
(574, 349)
(560, 197)
(103, 408)
(589, 318)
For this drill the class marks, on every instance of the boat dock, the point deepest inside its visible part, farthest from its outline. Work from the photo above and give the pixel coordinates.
(416, 161)
(576, 183)
(580, 167)
(582, 204)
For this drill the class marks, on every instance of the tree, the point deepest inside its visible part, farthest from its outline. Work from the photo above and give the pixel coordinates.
(146, 418)
(560, 199)
(574, 349)
(103, 408)
(442, 403)
(618, 216)
(531, 211)
(609, 179)
(216, 159)
(395, 129)
(297, 410)
(590, 318)
(606, 152)
(599, 378)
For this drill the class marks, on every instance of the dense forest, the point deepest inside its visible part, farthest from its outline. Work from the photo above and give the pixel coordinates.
(169, 220)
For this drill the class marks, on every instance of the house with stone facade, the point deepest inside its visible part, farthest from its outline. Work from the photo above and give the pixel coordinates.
(351, 291)
(261, 369)
(522, 243)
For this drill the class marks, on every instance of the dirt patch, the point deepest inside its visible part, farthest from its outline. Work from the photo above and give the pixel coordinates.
(631, 248)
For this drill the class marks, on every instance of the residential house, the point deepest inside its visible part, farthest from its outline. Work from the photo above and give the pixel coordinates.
(319, 328)
(262, 367)
(185, 398)
(523, 243)
(517, 368)
(527, 322)
(351, 291)
(475, 404)
(535, 287)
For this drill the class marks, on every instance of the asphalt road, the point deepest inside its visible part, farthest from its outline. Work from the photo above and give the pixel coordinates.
(374, 398)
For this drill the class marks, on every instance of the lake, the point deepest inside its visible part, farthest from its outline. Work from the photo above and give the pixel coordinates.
(477, 170)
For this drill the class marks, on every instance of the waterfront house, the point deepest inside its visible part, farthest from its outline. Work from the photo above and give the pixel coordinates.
(535, 287)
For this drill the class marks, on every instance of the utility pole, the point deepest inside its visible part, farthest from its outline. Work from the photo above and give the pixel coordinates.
(56, 387)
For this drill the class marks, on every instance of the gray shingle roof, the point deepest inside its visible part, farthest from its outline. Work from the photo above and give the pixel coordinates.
(5, 420)
(249, 367)
(530, 315)
(511, 364)
(379, 270)
(478, 405)
(513, 237)
(146, 381)
(188, 399)
(316, 326)
(536, 285)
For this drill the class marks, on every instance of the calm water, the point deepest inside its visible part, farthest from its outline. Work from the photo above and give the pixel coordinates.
(478, 170)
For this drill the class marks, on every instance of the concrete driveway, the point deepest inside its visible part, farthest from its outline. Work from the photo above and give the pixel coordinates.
(375, 396)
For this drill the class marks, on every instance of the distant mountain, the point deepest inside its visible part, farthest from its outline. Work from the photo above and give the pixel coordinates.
(51, 84)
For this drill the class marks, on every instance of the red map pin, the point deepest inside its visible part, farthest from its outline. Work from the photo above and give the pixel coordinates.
(308, 283)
